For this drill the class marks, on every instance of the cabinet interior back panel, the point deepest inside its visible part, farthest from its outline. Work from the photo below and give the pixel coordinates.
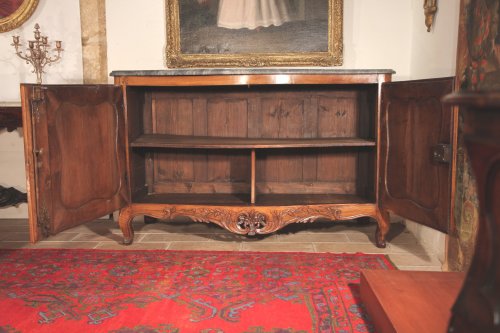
(259, 112)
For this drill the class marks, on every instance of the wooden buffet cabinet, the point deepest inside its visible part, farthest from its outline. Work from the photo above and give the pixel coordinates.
(251, 150)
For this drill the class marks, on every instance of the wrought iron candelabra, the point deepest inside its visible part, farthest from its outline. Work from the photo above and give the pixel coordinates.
(37, 53)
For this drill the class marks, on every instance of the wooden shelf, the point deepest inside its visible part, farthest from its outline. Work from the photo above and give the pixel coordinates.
(307, 199)
(204, 142)
(237, 199)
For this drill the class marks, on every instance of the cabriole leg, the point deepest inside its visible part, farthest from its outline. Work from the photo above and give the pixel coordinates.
(125, 222)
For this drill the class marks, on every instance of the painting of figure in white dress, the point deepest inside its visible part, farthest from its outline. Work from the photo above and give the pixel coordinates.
(253, 26)
(252, 14)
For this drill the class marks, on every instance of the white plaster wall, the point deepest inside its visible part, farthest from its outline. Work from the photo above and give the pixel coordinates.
(376, 35)
(135, 41)
(59, 20)
(433, 54)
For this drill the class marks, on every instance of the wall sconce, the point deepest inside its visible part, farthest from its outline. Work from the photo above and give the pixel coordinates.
(430, 9)
(38, 53)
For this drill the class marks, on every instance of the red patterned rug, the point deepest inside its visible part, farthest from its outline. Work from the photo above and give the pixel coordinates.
(182, 291)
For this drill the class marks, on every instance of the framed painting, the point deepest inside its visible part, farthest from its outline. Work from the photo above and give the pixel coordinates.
(13, 13)
(254, 33)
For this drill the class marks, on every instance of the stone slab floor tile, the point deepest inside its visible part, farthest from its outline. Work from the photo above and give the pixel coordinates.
(410, 259)
(420, 268)
(205, 246)
(93, 237)
(314, 237)
(349, 248)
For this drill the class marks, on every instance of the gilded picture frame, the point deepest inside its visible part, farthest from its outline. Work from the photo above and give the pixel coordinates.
(15, 13)
(192, 25)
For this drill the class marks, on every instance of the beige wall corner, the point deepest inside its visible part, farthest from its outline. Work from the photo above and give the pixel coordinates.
(433, 240)
(94, 44)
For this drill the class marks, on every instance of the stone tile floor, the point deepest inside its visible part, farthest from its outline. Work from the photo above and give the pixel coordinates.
(350, 236)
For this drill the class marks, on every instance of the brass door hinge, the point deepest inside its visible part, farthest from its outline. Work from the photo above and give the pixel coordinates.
(37, 98)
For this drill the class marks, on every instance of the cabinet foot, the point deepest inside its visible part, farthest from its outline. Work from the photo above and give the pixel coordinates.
(379, 239)
(383, 225)
(125, 222)
(127, 241)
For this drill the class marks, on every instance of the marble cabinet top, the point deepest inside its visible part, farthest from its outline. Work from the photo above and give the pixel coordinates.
(250, 71)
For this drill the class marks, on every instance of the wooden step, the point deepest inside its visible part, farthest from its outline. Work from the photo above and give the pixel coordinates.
(410, 301)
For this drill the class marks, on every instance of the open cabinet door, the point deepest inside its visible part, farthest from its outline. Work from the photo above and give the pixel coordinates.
(75, 154)
(416, 151)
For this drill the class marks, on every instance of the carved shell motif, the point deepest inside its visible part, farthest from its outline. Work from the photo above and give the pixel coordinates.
(251, 222)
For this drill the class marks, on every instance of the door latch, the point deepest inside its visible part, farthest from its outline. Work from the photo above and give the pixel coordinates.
(441, 153)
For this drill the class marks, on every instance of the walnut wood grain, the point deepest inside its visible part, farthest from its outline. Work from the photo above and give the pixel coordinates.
(30, 164)
(76, 159)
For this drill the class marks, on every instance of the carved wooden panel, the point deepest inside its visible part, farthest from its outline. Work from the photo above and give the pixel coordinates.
(78, 153)
(245, 220)
(414, 183)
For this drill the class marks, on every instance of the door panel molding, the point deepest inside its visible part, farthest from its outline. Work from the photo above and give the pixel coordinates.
(413, 121)
(77, 168)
